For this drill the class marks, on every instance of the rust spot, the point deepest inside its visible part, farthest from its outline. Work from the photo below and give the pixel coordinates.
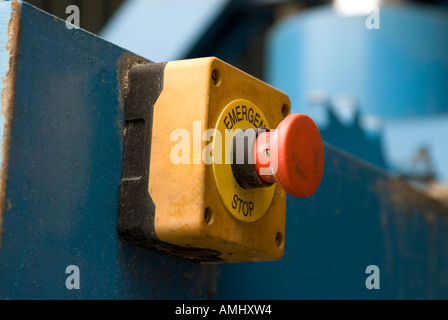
(7, 97)
(438, 191)
(429, 217)
(125, 64)
(317, 159)
(299, 171)
(405, 198)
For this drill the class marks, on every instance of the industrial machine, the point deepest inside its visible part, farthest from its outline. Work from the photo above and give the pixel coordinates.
(188, 178)
(222, 206)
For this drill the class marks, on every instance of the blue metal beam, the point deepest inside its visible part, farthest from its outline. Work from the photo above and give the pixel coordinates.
(360, 216)
(61, 207)
(65, 165)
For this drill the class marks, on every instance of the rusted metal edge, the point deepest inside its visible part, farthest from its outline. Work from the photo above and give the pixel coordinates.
(7, 99)
(127, 61)
(402, 194)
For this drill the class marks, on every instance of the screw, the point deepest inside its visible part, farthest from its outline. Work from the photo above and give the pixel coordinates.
(267, 153)
(216, 78)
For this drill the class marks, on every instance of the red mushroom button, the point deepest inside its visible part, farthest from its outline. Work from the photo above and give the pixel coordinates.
(292, 155)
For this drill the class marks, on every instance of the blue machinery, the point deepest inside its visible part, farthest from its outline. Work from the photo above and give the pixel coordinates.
(62, 111)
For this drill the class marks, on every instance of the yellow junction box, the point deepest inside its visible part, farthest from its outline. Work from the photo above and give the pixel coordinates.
(200, 205)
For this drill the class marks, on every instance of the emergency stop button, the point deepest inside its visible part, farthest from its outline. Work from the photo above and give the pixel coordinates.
(292, 155)
(221, 202)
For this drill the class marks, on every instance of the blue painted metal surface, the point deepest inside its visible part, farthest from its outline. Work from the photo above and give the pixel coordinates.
(62, 194)
(360, 216)
(398, 72)
(64, 175)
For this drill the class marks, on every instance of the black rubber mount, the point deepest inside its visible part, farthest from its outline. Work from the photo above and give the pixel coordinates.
(136, 217)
